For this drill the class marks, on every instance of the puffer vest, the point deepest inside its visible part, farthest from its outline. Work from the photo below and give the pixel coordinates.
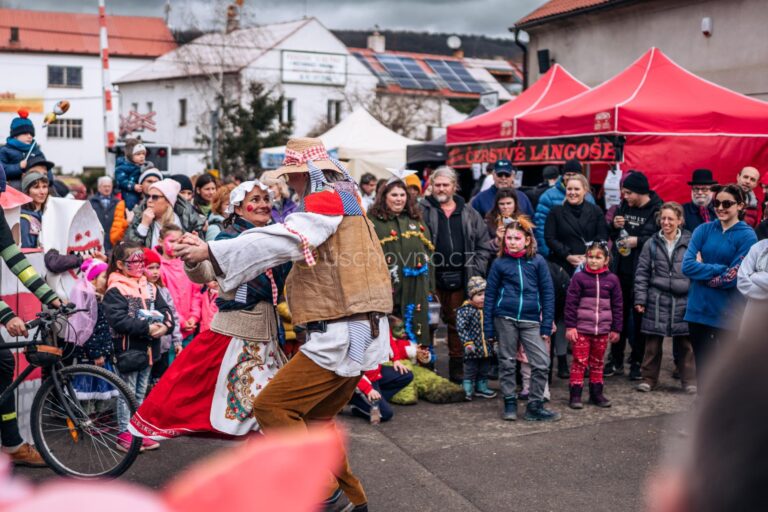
(350, 277)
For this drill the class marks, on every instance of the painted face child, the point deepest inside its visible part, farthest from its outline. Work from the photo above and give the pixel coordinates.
(597, 258)
(516, 240)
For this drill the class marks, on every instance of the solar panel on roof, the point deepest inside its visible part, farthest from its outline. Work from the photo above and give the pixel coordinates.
(367, 64)
(406, 72)
(456, 76)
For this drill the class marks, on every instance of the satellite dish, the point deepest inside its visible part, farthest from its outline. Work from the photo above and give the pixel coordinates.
(454, 42)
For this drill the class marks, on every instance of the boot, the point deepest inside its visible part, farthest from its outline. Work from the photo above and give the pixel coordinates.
(596, 396)
(575, 401)
(537, 412)
(510, 408)
(483, 390)
(563, 372)
(469, 387)
(456, 369)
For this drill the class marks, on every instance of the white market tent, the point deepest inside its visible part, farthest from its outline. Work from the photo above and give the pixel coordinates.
(359, 140)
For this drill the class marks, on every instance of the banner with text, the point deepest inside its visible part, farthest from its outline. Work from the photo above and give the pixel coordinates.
(590, 150)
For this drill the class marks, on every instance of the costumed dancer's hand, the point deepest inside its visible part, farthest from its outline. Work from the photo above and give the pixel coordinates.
(191, 249)
(571, 334)
(374, 395)
(400, 368)
(613, 337)
(16, 327)
(148, 217)
(157, 330)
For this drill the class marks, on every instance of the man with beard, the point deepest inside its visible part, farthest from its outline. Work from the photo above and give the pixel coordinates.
(748, 179)
(462, 251)
(700, 210)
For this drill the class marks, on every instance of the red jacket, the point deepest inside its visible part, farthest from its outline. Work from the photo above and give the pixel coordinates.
(397, 349)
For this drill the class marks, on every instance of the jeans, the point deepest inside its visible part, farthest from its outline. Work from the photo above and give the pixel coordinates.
(510, 333)
(137, 382)
(705, 339)
(9, 424)
(389, 385)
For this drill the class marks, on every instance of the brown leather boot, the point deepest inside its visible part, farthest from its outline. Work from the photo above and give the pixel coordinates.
(26, 455)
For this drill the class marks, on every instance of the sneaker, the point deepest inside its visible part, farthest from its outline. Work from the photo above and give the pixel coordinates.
(336, 502)
(26, 455)
(643, 387)
(634, 373)
(691, 389)
(609, 370)
(124, 442)
(148, 444)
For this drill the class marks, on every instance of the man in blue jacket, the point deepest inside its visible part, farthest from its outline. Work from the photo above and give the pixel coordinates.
(551, 198)
(502, 178)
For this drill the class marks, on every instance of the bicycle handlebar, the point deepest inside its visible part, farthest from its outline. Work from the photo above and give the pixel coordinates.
(51, 316)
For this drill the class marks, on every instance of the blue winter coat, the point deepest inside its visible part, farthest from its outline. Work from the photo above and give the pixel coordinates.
(127, 176)
(483, 202)
(552, 197)
(520, 289)
(713, 298)
(11, 157)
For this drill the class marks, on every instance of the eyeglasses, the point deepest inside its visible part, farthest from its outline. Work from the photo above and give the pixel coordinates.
(155, 197)
(724, 204)
(701, 189)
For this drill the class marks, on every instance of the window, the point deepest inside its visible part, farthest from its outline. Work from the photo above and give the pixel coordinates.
(65, 76)
(334, 111)
(66, 129)
(183, 112)
(149, 106)
(134, 107)
(286, 115)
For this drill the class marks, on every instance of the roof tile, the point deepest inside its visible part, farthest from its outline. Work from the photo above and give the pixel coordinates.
(556, 7)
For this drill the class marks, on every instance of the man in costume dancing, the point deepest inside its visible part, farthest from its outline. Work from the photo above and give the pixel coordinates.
(340, 291)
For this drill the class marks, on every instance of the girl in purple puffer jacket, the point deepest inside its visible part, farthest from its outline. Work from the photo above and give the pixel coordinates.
(593, 318)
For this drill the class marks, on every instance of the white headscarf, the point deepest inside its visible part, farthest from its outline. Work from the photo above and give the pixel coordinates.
(239, 192)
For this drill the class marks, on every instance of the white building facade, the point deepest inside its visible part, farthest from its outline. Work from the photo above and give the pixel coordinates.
(301, 60)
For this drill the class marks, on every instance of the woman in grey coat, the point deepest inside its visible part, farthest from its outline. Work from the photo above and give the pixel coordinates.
(661, 293)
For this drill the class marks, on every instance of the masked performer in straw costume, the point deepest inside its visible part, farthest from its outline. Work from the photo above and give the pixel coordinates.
(339, 289)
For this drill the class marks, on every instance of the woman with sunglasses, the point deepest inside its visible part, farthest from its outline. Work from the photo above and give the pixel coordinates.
(712, 262)
(161, 208)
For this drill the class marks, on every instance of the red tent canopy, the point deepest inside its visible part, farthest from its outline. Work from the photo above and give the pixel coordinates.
(673, 121)
(553, 87)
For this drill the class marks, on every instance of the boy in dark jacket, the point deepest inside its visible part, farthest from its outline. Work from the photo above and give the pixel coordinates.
(637, 216)
(19, 148)
(128, 170)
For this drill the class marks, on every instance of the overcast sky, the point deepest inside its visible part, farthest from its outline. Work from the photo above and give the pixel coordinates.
(486, 17)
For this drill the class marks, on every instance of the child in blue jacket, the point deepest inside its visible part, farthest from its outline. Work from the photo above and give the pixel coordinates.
(19, 147)
(128, 170)
(520, 308)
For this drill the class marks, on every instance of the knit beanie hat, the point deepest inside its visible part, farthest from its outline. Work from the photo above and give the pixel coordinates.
(22, 124)
(150, 256)
(412, 180)
(184, 181)
(150, 172)
(476, 285)
(572, 165)
(169, 188)
(92, 267)
(637, 183)
(30, 178)
(550, 172)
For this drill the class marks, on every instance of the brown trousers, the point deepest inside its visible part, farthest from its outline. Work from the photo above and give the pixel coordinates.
(449, 303)
(652, 360)
(302, 392)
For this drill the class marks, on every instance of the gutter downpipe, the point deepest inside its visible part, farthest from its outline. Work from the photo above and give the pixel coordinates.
(524, 48)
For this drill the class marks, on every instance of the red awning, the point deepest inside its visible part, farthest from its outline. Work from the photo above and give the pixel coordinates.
(555, 86)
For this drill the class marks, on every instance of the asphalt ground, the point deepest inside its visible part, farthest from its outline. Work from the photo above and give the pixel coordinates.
(463, 457)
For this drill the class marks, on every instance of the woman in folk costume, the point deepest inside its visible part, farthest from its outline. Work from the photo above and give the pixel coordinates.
(210, 387)
(339, 289)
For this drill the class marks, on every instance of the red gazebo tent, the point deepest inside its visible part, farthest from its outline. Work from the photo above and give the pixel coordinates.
(672, 120)
(477, 140)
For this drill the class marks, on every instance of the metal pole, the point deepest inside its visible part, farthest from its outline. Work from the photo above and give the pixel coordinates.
(106, 84)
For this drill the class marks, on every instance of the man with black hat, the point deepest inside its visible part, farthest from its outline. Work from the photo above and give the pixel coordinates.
(700, 210)
(633, 225)
(551, 198)
(550, 175)
(503, 171)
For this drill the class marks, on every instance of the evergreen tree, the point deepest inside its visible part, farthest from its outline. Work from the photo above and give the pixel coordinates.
(244, 130)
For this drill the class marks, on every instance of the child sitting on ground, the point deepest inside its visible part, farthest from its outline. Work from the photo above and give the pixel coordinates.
(593, 318)
(477, 350)
(19, 148)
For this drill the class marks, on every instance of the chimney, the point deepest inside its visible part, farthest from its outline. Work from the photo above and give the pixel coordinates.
(233, 18)
(14, 35)
(377, 42)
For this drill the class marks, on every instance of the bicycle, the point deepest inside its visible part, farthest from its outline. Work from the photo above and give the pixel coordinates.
(74, 432)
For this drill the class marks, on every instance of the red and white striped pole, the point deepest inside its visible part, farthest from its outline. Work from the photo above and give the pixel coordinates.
(106, 84)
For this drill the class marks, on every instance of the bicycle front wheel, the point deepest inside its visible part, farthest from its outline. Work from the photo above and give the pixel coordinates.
(75, 427)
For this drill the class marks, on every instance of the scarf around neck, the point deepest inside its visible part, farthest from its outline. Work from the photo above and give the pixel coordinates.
(16, 143)
(516, 255)
(595, 272)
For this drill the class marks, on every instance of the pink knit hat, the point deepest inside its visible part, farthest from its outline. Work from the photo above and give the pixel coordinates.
(91, 268)
(169, 188)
